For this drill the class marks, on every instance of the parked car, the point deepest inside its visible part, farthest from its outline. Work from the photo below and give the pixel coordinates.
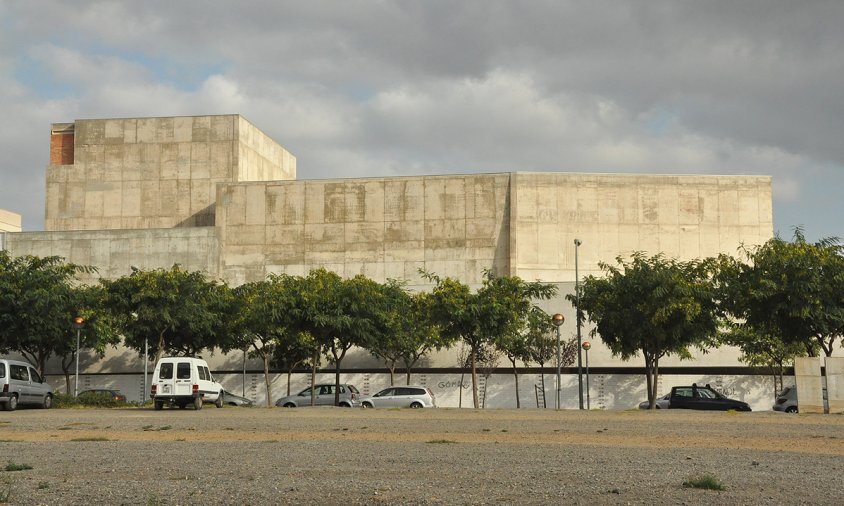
(113, 394)
(230, 399)
(706, 398)
(180, 381)
(787, 400)
(661, 403)
(324, 396)
(21, 384)
(412, 396)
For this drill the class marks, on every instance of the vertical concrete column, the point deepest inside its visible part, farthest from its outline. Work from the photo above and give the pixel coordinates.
(835, 384)
(807, 374)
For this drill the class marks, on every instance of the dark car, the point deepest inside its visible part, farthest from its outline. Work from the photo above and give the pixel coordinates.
(704, 398)
(114, 395)
(230, 399)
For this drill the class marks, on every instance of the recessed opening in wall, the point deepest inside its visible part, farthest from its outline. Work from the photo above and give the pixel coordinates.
(61, 144)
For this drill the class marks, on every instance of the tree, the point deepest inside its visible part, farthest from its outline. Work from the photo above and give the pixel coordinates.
(292, 350)
(175, 311)
(264, 319)
(97, 334)
(478, 319)
(654, 306)
(535, 341)
(339, 314)
(794, 290)
(37, 305)
(410, 333)
(762, 348)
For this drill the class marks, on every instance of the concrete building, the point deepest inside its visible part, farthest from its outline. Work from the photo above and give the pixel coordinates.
(214, 193)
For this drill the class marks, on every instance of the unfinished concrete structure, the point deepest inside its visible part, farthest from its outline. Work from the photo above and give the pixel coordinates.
(214, 193)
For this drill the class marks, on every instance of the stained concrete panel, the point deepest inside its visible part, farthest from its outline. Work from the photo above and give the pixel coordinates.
(834, 384)
(807, 374)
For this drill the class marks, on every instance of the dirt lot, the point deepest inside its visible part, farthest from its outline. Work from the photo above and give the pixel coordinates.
(441, 456)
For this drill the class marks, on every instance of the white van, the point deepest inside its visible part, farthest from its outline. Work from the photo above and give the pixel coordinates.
(180, 381)
(21, 384)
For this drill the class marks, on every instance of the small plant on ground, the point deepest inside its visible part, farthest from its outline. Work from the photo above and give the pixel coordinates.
(441, 441)
(11, 466)
(43, 485)
(91, 438)
(705, 481)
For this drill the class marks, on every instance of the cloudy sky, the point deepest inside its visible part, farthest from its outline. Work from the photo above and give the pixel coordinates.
(377, 88)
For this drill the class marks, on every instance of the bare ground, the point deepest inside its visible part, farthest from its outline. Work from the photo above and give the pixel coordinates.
(441, 456)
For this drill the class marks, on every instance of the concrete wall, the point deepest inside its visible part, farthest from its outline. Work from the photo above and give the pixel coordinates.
(381, 227)
(155, 172)
(685, 217)
(113, 252)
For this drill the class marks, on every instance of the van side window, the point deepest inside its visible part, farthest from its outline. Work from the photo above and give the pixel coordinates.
(2, 370)
(203, 373)
(208, 374)
(183, 370)
(18, 372)
(166, 372)
(34, 375)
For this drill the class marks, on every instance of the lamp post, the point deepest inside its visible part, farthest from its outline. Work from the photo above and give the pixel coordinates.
(78, 322)
(577, 321)
(586, 345)
(558, 320)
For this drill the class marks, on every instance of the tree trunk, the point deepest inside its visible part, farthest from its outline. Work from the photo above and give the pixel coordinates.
(313, 378)
(655, 381)
(516, 377)
(392, 368)
(472, 362)
(160, 349)
(266, 358)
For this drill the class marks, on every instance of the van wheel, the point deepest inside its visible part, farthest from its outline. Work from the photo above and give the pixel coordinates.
(416, 405)
(48, 402)
(219, 401)
(197, 402)
(791, 409)
(12, 404)
(158, 405)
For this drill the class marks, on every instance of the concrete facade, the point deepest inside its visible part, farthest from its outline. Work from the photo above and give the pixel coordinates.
(215, 194)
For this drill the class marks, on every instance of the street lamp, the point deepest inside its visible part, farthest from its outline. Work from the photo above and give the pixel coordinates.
(558, 320)
(78, 322)
(146, 352)
(577, 320)
(586, 345)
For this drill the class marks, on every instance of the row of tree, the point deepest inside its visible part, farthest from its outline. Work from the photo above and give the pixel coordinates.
(288, 322)
(774, 302)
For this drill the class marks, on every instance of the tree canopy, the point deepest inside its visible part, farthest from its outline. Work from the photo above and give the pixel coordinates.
(654, 306)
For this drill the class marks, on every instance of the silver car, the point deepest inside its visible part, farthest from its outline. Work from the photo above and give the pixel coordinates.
(324, 396)
(787, 400)
(661, 403)
(21, 384)
(412, 396)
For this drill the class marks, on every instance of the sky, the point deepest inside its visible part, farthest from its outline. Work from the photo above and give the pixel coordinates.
(418, 87)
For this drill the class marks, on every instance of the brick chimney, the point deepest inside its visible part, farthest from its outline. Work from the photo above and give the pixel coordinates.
(61, 144)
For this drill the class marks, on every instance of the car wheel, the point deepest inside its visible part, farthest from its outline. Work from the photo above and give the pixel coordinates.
(12, 404)
(416, 405)
(219, 402)
(158, 405)
(345, 405)
(48, 402)
(367, 405)
(791, 409)
(289, 405)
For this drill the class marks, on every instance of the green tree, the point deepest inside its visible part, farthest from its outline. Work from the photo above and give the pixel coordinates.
(292, 350)
(410, 333)
(37, 305)
(481, 318)
(339, 314)
(653, 306)
(97, 334)
(263, 319)
(794, 290)
(175, 311)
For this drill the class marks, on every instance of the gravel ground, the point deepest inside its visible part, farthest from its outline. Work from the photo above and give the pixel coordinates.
(440, 456)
